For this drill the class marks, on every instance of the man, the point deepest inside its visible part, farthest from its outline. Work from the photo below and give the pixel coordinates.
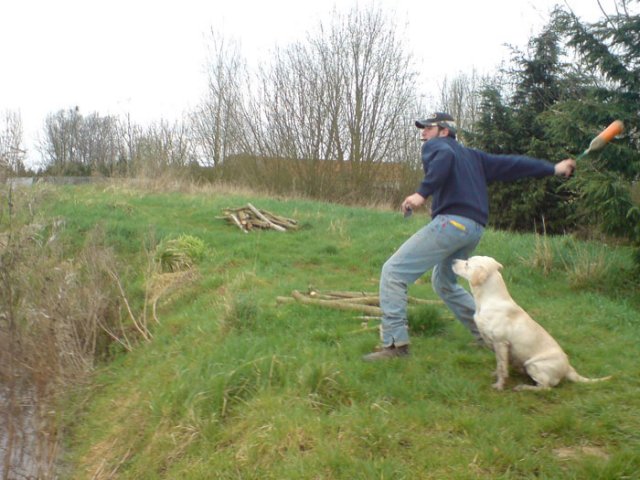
(456, 179)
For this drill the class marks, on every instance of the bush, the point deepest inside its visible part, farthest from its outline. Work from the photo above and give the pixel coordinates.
(179, 253)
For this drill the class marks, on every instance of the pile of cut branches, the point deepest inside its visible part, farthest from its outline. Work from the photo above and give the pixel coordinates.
(249, 218)
(363, 302)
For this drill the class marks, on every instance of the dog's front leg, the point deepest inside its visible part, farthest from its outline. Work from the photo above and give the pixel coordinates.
(502, 368)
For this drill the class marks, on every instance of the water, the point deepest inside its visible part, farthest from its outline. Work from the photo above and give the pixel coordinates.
(19, 439)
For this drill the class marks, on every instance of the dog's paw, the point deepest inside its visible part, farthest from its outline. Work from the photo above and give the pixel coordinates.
(498, 386)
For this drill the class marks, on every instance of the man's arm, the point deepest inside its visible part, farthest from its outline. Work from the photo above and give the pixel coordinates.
(439, 165)
(513, 167)
(412, 202)
(565, 168)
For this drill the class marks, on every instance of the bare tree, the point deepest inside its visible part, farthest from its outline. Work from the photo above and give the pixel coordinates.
(333, 109)
(12, 154)
(460, 97)
(341, 95)
(80, 145)
(99, 144)
(293, 97)
(218, 121)
(60, 145)
(379, 84)
(162, 146)
(129, 134)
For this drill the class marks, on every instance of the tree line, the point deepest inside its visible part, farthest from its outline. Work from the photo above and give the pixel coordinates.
(346, 94)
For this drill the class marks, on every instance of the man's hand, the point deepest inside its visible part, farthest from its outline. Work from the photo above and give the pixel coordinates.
(565, 168)
(412, 202)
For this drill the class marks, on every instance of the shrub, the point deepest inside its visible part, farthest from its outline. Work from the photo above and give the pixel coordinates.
(180, 253)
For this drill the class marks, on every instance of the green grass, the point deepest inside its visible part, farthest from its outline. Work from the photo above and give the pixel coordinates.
(236, 386)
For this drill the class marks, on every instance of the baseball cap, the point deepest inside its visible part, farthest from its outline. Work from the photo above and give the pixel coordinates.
(440, 119)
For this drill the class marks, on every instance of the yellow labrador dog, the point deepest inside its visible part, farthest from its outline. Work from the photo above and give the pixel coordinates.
(511, 333)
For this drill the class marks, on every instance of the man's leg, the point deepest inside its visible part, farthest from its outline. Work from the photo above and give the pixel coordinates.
(430, 246)
(445, 284)
(459, 301)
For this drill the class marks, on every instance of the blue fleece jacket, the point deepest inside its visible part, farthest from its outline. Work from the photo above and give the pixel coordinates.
(456, 177)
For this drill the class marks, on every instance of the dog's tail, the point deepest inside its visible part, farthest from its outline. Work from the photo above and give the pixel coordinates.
(576, 377)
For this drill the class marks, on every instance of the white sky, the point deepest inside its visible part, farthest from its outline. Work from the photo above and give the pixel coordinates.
(147, 57)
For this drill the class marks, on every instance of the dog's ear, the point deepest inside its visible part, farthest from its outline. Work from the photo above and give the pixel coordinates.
(478, 276)
(499, 266)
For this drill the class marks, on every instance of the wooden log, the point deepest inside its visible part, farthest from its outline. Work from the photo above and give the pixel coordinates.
(321, 296)
(358, 300)
(265, 219)
(338, 305)
(281, 218)
(285, 225)
(284, 221)
(353, 295)
(285, 300)
(237, 222)
(350, 303)
(259, 223)
(251, 217)
(355, 301)
(343, 294)
(370, 300)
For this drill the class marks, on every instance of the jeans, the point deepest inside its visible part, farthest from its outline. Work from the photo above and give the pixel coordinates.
(436, 245)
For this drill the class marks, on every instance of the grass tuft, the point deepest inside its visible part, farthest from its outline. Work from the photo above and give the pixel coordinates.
(325, 386)
(427, 321)
(586, 265)
(180, 253)
(243, 313)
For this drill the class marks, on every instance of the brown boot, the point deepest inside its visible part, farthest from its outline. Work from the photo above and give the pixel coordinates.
(387, 352)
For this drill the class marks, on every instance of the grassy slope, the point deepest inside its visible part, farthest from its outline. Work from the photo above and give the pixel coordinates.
(235, 386)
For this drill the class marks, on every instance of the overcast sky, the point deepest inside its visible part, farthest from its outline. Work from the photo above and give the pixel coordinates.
(147, 57)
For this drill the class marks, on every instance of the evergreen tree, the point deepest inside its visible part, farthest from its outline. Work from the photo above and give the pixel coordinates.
(608, 51)
(517, 125)
(553, 110)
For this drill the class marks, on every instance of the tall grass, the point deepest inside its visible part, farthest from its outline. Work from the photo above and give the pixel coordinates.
(233, 385)
(64, 309)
